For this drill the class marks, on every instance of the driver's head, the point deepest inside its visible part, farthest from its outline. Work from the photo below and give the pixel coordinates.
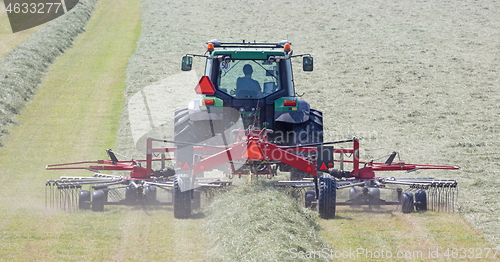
(247, 70)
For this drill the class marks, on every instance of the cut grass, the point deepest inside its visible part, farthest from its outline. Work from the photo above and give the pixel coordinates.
(257, 222)
(387, 229)
(74, 116)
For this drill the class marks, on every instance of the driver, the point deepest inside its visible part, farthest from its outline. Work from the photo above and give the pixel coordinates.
(246, 86)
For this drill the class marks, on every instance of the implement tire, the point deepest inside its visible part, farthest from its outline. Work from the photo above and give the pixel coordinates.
(420, 200)
(98, 201)
(150, 193)
(84, 200)
(407, 203)
(309, 198)
(327, 197)
(181, 199)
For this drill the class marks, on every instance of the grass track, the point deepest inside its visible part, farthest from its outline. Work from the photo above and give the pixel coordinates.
(73, 117)
(388, 230)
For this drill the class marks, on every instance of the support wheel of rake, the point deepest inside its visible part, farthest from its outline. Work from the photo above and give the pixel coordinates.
(181, 196)
(150, 193)
(310, 197)
(327, 197)
(130, 194)
(374, 192)
(353, 192)
(84, 200)
(98, 201)
(421, 200)
(407, 203)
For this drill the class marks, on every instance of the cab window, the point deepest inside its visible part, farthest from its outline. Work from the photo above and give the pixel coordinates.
(248, 79)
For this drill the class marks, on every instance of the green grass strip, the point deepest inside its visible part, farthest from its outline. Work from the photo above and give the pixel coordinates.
(74, 116)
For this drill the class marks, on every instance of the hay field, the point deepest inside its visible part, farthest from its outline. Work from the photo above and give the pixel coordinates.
(417, 77)
(420, 78)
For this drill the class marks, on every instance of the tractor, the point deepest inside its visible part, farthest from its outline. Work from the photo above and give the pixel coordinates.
(249, 121)
(252, 82)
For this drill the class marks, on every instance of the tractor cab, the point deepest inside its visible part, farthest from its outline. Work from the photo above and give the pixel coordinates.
(253, 79)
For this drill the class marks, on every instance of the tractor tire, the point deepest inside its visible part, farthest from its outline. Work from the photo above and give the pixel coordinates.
(353, 192)
(309, 198)
(374, 192)
(407, 203)
(181, 199)
(196, 201)
(186, 130)
(327, 197)
(98, 201)
(421, 200)
(150, 193)
(308, 132)
(84, 200)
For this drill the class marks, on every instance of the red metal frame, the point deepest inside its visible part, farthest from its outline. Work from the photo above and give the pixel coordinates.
(254, 149)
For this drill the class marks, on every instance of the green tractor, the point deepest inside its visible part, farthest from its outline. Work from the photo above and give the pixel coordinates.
(251, 83)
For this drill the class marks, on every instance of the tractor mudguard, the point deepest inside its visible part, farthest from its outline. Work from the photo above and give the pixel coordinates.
(292, 114)
(198, 112)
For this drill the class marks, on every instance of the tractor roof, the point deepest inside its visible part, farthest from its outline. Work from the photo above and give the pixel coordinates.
(248, 50)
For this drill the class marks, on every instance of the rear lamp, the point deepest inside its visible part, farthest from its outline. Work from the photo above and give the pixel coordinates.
(290, 103)
(208, 102)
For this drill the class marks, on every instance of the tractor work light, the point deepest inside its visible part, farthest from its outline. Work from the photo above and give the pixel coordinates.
(205, 86)
(290, 103)
(210, 47)
(287, 48)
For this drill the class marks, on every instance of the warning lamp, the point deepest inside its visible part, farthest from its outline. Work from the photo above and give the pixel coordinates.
(205, 86)
(290, 103)
(287, 48)
(208, 102)
(210, 47)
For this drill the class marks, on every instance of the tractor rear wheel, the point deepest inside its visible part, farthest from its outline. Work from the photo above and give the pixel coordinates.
(308, 132)
(182, 196)
(98, 201)
(407, 203)
(186, 130)
(84, 200)
(327, 197)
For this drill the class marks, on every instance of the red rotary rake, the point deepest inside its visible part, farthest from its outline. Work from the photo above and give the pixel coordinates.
(250, 154)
